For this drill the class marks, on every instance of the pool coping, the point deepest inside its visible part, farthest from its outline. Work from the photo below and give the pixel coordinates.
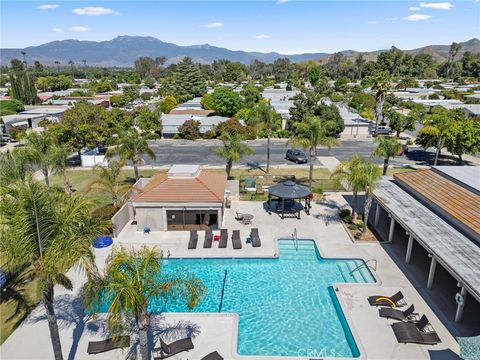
(335, 285)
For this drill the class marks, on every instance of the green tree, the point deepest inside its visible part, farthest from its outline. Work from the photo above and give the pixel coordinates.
(132, 280)
(311, 133)
(83, 125)
(189, 80)
(168, 104)
(387, 148)
(233, 150)
(41, 150)
(359, 175)
(150, 83)
(225, 101)
(399, 122)
(147, 120)
(109, 179)
(380, 84)
(131, 146)
(406, 83)
(452, 53)
(9, 107)
(14, 166)
(190, 130)
(131, 93)
(48, 232)
(341, 84)
(251, 95)
(22, 83)
(463, 137)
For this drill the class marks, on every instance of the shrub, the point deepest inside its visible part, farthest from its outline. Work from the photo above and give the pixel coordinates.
(289, 87)
(8, 107)
(282, 134)
(360, 217)
(317, 190)
(190, 130)
(409, 142)
(348, 219)
(168, 104)
(276, 87)
(336, 97)
(352, 226)
(345, 212)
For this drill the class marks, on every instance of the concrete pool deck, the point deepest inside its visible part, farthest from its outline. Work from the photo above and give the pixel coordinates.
(373, 335)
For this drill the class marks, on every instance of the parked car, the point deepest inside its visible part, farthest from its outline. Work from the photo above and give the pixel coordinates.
(382, 130)
(5, 138)
(297, 156)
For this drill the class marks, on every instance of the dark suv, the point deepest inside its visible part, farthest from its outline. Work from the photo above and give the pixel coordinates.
(297, 156)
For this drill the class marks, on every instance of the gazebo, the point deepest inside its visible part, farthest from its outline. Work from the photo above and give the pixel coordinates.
(287, 192)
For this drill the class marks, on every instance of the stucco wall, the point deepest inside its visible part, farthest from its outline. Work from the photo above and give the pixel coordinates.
(151, 217)
(122, 218)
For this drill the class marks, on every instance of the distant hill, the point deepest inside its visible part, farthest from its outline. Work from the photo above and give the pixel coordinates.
(438, 52)
(123, 50)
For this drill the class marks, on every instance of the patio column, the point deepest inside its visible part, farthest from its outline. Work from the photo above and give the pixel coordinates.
(392, 229)
(409, 249)
(431, 273)
(460, 306)
(377, 213)
(283, 208)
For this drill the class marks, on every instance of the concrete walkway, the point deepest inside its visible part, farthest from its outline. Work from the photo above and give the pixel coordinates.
(373, 335)
(330, 162)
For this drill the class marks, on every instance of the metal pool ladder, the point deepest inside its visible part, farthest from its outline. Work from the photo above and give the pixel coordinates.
(295, 238)
(366, 264)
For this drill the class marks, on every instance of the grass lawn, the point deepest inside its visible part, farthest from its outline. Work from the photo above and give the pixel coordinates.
(79, 179)
(7, 326)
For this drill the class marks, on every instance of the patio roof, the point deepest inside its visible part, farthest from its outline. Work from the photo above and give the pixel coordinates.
(289, 190)
(454, 251)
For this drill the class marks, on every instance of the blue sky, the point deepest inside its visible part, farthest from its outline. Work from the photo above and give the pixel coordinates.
(277, 25)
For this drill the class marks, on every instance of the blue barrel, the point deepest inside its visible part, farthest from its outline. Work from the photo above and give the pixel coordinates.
(102, 242)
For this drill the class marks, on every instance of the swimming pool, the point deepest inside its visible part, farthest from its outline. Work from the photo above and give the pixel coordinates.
(286, 306)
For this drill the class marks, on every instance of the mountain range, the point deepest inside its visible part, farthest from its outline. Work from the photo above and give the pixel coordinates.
(123, 50)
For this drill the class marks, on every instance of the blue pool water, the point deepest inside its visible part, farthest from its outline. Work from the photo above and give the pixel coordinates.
(286, 306)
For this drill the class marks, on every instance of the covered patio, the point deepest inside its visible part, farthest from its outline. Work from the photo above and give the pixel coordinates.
(286, 194)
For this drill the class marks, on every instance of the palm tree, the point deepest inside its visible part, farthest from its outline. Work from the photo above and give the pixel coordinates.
(58, 65)
(387, 148)
(49, 232)
(71, 63)
(60, 161)
(265, 115)
(349, 176)
(233, 150)
(133, 279)
(311, 133)
(359, 175)
(84, 61)
(381, 84)
(110, 179)
(24, 54)
(131, 146)
(41, 150)
(13, 166)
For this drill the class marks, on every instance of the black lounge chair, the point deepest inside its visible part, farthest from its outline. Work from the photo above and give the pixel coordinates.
(208, 238)
(237, 242)
(396, 300)
(391, 313)
(239, 216)
(192, 244)
(213, 356)
(176, 347)
(97, 347)
(223, 238)
(255, 238)
(410, 333)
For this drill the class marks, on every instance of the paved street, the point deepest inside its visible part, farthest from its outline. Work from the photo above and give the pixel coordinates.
(197, 152)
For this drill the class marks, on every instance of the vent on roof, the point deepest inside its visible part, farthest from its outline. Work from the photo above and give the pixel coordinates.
(183, 171)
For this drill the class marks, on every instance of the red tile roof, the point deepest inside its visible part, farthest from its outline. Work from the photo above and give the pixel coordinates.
(208, 186)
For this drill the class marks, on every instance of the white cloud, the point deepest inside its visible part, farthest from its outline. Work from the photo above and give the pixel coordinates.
(417, 17)
(214, 25)
(48, 7)
(262, 37)
(372, 22)
(56, 29)
(437, 6)
(79, 28)
(392, 19)
(282, 1)
(94, 11)
(413, 8)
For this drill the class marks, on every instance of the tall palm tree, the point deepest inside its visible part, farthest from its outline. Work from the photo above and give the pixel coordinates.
(233, 150)
(133, 279)
(387, 148)
(58, 65)
(71, 63)
(42, 151)
(110, 179)
(265, 115)
(49, 232)
(311, 133)
(349, 175)
(381, 84)
(359, 175)
(131, 146)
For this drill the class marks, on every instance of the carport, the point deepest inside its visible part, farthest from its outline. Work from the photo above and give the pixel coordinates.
(441, 248)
